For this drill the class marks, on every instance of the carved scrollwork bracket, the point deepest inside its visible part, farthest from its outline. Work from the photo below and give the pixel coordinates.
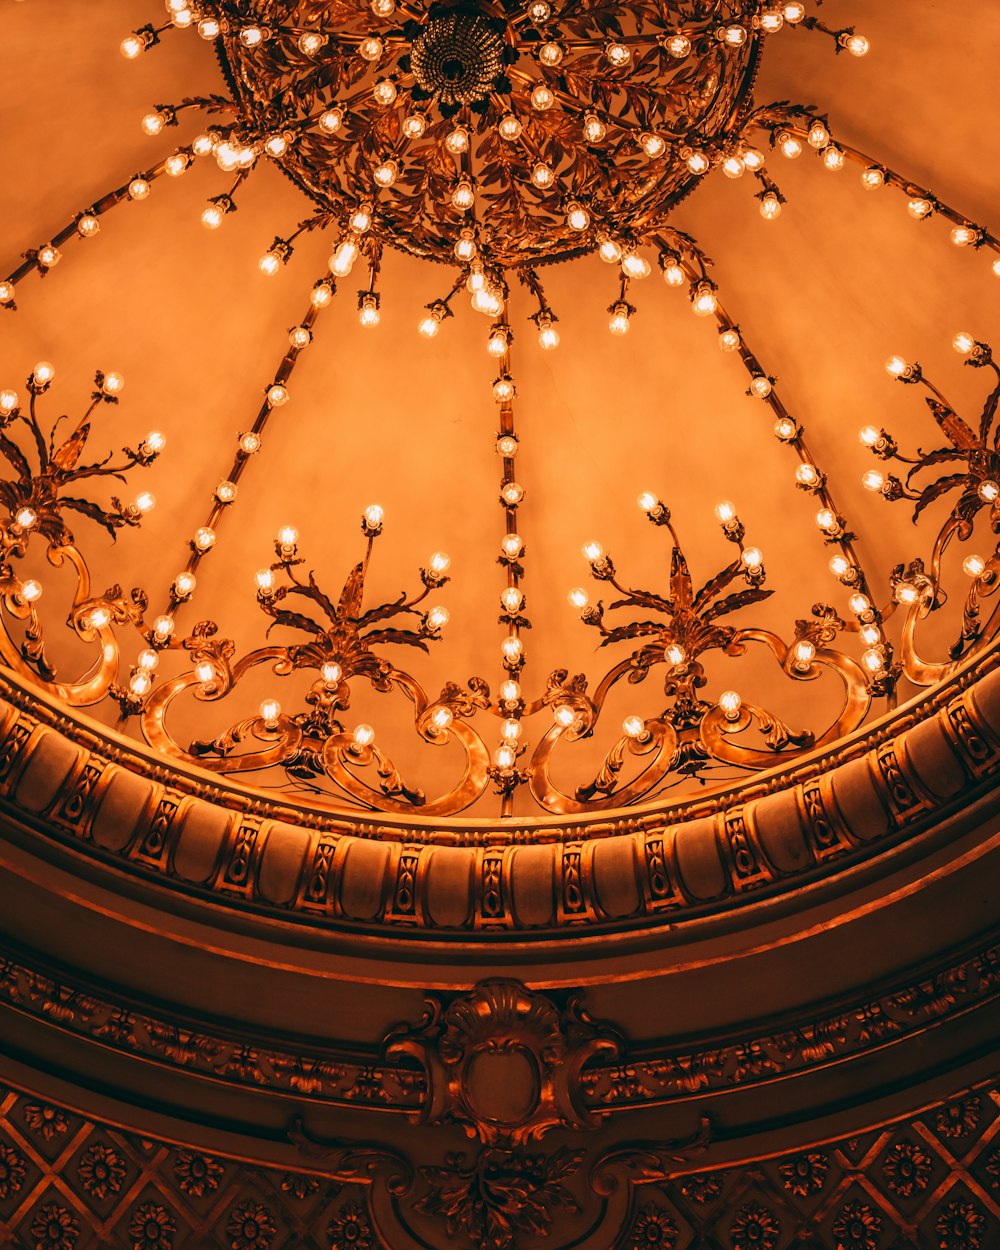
(505, 1062)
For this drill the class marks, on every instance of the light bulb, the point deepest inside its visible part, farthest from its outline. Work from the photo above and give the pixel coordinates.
(648, 502)
(856, 45)
(205, 672)
(148, 660)
(249, 443)
(577, 217)
(678, 46)
(288, 536)
(49, 256)
(551, 53)
(804, 653)
(331, 120)
(619, 323)
(675, 653)
(542, 176)
(807, 475)
(859, 604)
(785, 429)
(152, 124)
(140, 684)
(204, 538)
(542, 98)
(564, 716)
(578, 598)
(43, 373)
(8, 401)
(465, 246)
(364, 735)
(594, 130)
(828, 521)
(299, 337)
(897, 367)
(653, 145)
(618, 55)
(698, 163)
(504, 758)
(176, 164)
(510, 692)
(760, 387)
(503, 390)
(264, 579)
(873, 178)
(457, 141)
(429, 326)
(145, 502)
(385, 173)
(463, 197)
(919, 207)
(511, 729)
(512, 493)
(730, 703)
(988, 491)
(153, 443)
(964, 236)
(874, 659)
(507, 446)
(633, 726)
(771, 22)
(869, 435)
(442, 718)
(371, 48)
(439, 563)
(138, 189)
(384, 92)
(368, 314)
(270, 710)
(512, 545)
(818, 136)
(795, 11)
(26, 517)
(733, 167)
(974, 566)
(729, 340)
(510, 128)
(873, 480)
(88, 225)
(226, 491)
(208, 28)
(31, 590)
(383, 8)
(374, 515)
(512, 650)
(132, 46)
(610, 251)
(789, 146)
(704, 303)
(833, 158)
(673, 274)
(331, 672)
(635, 266)
(6, 292)
(211, 217)
(752, 559)
(725, 512)
(310, 43)
(548, 335)
(906, 593)
(511, 599)
(438, 617)
(753, 159)
(593, 551)
(277, 395)
(163, 626)
(770, 207)
(269, 264)
(414, 125)
(870, 635)
(184, 584)
(251, 36)
(113, 383)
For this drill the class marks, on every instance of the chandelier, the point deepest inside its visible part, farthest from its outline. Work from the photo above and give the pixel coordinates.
(497, 139)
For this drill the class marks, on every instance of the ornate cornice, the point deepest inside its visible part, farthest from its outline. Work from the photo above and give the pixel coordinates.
(78, 784)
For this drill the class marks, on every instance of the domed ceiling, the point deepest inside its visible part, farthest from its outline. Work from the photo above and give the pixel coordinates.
(571, 170)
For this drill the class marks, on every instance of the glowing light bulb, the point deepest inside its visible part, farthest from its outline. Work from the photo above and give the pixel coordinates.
(873, 178)
(138, 189)
(288, 537)
(874, 659)
(897, 367)
(503, 390)
(140, 684)
(704, 303)
(542, 98)
(383, 8)
(833, 158)
(919, 208)
(870, 635)
(804, 653)
(564, 716)
(725, 512)
(204, 538)
(906, 593)
(184, 585)
(988, 491)
(772, 21)
(88, 225)
(147, 660)
(593, 551)
(869, 435)
(511, 599)
(364, 735)
(770, 207)
(277, 395)
(43, 373)
(678, 46)
(132, 46)
(265, 580)
(675, 653)
(429, 326)
(859, 604)
(153, 443)
(510, 692)
(331, 120)
(760, 387)
(507, 446)
(249, 443)
(152, 124)
(176, 164)
(648, 502)
(26, 517)
(511, 730)
(551, 53)
(457, 141)
(163, 626)
(205, 672)
(299, 337)
(374, 516)
(828, 521)
(733, 167)
(730, 703)
(505, 758)
(269, 264)
(6, 292)
(310, 43)
(610, 251)
(594, 130)
(752, 559)
(734, 36)
(463, 197)
(729, 340)
(635, 266)
(442, 719)
(818, 136)
(807, 475)
(226, 491)
(465, 246)
(620, 319)
(512, 650)
(49, 256)
(251, 36)
(618, 55)
(385, 173)
(8, 401)
(577, 217)
(542, 176)
(965, 236)
(414, 125)
(384, 92)
(510, 128)
(789, 146)
(795, 11)
(974, 566)
(438, 617)
(512, 545)
(548, 335)
(698, 163)
(113, 383)
(653, 145)
(331, 672)
(208, 28)
(856, 45)
(633, 726)
(371, 49)
(578, 598)
(270, 710)
(145, 502)
(368, 314)
(673, 274)
(873, 480)
(212, 217)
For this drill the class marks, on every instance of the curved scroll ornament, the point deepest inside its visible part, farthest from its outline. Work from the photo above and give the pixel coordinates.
(973, 460)
(691, 736)
(314, 746)
(35, 495)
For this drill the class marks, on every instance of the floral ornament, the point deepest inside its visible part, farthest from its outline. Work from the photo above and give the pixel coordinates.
(250, 1227)
(299, 1186)
(993, 1169)
(856, 1227)
(101, 1170)
(49, 1121)
(960, 1226)
(755, 1228)
(349, 1229)
(13, 1168)
(701, 1187)
(54, 1228)
(805, 1174)
(197, 1175)
(907, 1167)
(152, 1227)
(653, 1230)
(959, 1119)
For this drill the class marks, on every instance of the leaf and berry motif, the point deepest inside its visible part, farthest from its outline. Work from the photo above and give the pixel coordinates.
(501, 1195)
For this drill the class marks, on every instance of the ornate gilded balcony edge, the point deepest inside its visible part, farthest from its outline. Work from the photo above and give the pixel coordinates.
(408, 1073)
(85, 786)
(91, 788)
